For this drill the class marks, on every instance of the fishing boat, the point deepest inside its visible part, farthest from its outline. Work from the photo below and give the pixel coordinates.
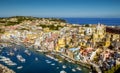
(20, 58)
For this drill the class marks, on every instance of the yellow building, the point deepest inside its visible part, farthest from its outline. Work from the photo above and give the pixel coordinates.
(61, 42)
(107, 43)
(46, 29)
(57, 48)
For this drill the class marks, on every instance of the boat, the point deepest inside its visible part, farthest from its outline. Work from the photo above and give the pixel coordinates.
(50, 57)
(7, 61)
(63, 66)
(53, 64)
(56, 59)
(73, 70)
(27, 52)
(20, 58)
(60, 61)
(15, 49)
(48, 61)
(36, 59)
(11, 53)
(63, 71)
(78, 68)
(11, 64)
(19, 67)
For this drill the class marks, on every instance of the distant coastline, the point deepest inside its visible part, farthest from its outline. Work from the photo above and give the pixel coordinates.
(106, 21)
(83, 20)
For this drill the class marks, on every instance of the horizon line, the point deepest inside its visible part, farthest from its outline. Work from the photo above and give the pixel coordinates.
(54, 16)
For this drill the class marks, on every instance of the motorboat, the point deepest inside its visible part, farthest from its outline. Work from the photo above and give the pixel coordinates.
(27, 52)
(11, 53)
(36, 59)
(7, 61)
(53, 64)
(63, 71)
(78, 68)
(63, 66)
(73, 70)
(20, 58)
(19, 67)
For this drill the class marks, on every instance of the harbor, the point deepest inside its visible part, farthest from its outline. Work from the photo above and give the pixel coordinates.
(39, 61)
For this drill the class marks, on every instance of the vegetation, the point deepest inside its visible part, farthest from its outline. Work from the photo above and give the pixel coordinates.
(87, 25)
(51, 27)
(11, 23)
(113, 69)
(2, 31)
(58, 20)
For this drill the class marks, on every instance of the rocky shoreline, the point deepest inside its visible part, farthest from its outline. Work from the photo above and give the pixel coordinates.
(4, 69)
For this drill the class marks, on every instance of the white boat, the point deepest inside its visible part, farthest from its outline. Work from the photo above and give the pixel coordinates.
(60, 61)
(19, 67)
(7, 61)
(11, 53)
(73, 70)
(56, 59)
(27, 52)
(48, 61)
(53, 64)
(64, 66)
(20, 58)
(15, 49)
(63, 71)
(11, 64)
(50, 57)
(36, 59)
(78, 68)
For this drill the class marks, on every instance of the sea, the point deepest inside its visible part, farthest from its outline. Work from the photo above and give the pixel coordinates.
(105, 21)
(38, 66)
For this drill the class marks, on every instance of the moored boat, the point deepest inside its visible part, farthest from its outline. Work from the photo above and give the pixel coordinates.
(73, 70)
(63, 71)
(20, 58)
(19, 67)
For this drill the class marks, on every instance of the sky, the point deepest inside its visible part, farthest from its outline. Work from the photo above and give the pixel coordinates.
(61, 8)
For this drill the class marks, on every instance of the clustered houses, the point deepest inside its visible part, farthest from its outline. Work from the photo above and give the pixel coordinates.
(88, 44)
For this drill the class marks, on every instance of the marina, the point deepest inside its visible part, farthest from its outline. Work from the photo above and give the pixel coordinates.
(38, 61)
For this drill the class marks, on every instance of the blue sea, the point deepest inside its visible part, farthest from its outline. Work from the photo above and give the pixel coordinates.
(40, 66)
(106, 21)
